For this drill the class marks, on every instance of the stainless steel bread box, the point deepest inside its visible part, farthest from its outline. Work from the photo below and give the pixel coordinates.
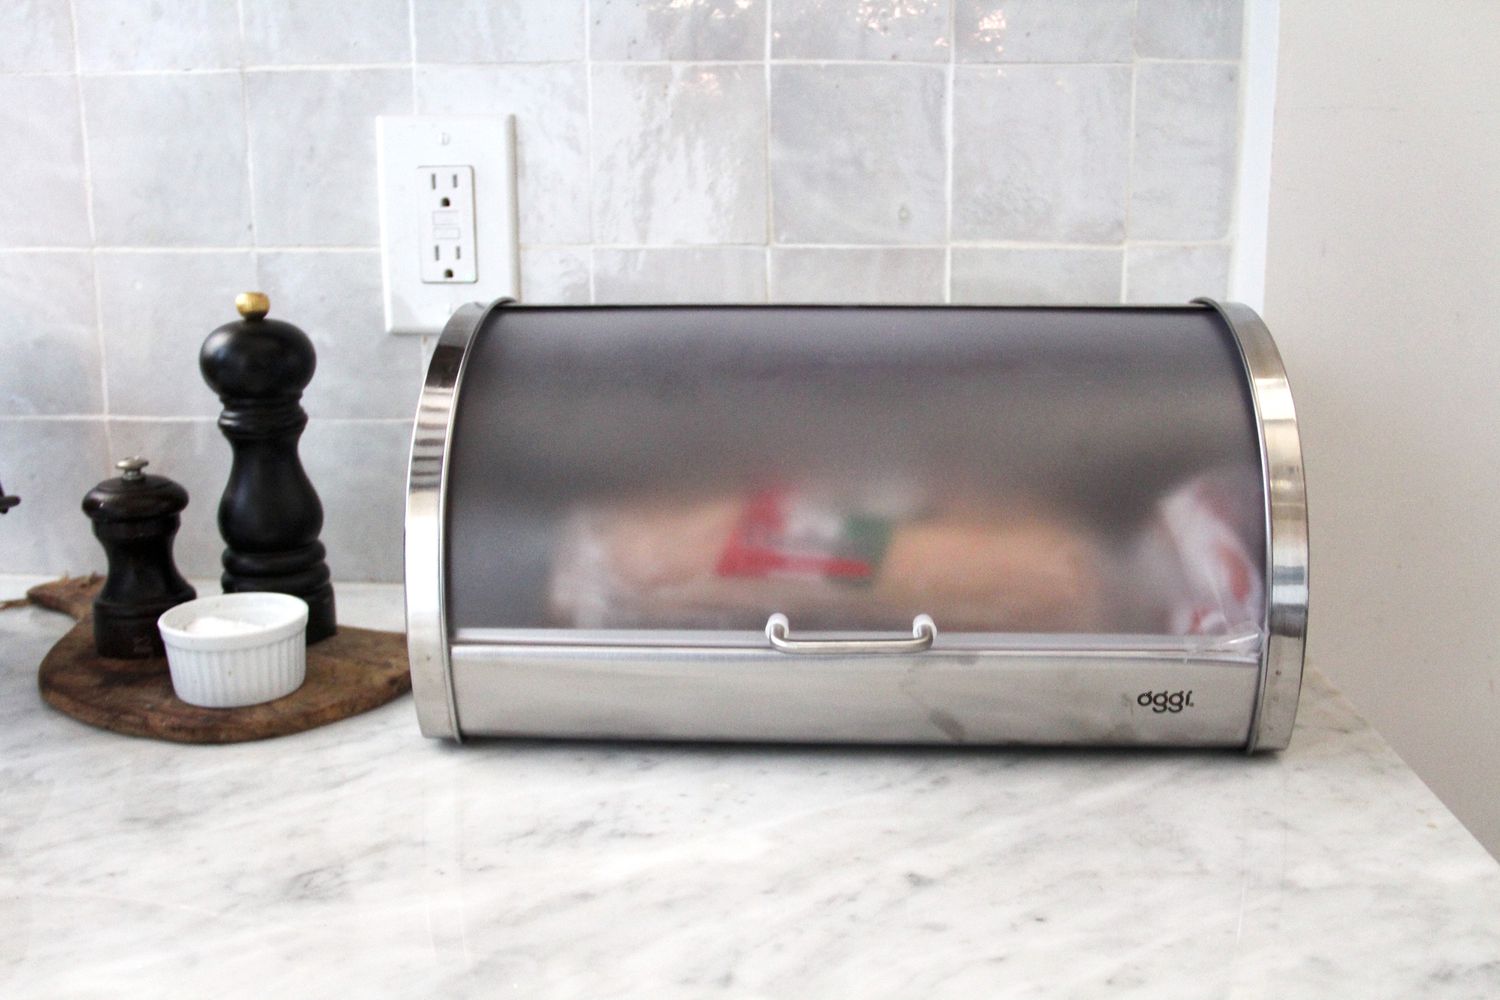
(954, 525)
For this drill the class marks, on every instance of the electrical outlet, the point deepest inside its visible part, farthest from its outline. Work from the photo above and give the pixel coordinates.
(447, 216)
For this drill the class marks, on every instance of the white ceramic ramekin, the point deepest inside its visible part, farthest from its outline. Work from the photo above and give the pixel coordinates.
(261, 664)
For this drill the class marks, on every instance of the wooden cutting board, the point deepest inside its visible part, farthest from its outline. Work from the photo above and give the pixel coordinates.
(352, 672)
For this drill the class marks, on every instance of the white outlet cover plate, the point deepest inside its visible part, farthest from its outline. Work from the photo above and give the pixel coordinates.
(406, 143)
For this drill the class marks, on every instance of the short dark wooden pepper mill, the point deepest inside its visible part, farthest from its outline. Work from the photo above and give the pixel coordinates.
(270, 515)
(135, 517)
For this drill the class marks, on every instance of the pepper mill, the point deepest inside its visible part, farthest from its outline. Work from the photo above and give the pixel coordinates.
(269, 515)
(135, 517)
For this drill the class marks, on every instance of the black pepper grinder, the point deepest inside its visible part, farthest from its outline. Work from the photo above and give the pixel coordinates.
(135, 517)
(270, 515)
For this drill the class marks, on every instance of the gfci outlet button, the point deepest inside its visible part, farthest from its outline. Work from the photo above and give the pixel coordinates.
(447, 216)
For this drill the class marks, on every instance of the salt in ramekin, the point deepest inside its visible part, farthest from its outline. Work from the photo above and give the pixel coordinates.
(266, 661)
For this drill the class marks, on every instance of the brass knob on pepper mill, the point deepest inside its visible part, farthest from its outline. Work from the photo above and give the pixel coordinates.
(135, 517)
(270, 515)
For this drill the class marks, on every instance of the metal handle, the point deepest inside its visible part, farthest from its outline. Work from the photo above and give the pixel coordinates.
(778, 631)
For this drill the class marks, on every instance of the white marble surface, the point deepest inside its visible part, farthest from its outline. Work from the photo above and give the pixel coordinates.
(361, 860)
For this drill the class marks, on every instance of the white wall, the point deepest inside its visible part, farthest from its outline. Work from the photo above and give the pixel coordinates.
(1383, 288)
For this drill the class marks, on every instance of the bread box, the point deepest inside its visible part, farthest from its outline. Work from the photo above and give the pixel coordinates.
(952, 525)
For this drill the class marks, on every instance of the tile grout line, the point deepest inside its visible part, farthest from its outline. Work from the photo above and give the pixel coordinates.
(588, 101)
(249, 159)
(1242, 79)
(313, 249)
(40, 418)
(948, 140)
(244, 248)
(88, 206)
(770, 186)
(1129, 158)
(353, 67)
(425, 343)
(411, 44)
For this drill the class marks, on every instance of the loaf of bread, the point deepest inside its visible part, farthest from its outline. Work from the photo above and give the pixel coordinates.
(729, 562)
(1015, 572)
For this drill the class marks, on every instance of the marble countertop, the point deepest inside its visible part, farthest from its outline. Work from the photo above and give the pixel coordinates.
(361, 860)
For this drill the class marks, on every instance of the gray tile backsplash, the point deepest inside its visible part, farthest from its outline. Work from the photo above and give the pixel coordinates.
(167, 159)
(312, 150)
(195, 454)
(679, 154)
(43, 197)
(1186, 130)
(161, 35)
(551, 106)
(359, 469)
(177, 152)
(298, 33)
(334, 296)
(858, 274)
(1189, 29)
(555, 275)
(1051, 31)
(50, 465)
(1041, 153)
(36, 36)
(51, 335)
(915, 30)
(680, 274)
(159, 307)
(657, 31)
(1176, 273)
(858, 153)
(485, 31)
(1036, 276)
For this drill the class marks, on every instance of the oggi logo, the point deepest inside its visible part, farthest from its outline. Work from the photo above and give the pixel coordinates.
(1165, 701)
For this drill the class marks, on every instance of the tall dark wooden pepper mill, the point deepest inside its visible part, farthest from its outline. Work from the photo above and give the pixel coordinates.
(270, 515)
(135, 518)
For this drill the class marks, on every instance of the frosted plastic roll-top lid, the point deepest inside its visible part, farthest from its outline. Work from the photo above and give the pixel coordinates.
(1003, 470)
